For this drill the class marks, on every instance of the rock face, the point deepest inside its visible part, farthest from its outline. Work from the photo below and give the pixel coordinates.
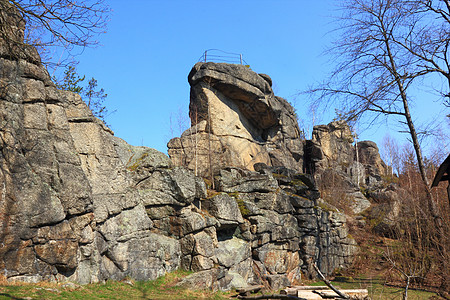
(342, 168)
(73, 197)
(270, 227)
(79, 204)
(69, 206)
(332, 147)
(237, 121)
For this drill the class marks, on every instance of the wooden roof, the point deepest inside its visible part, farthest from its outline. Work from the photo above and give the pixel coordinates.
(443, 173)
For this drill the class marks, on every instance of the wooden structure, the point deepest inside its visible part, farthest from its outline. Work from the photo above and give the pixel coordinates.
(302, 293)
(443, 174)
(323, 292)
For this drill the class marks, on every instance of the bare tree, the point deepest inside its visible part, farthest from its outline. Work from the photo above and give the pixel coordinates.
(430, 39)
(390, 152)
(409, 272)
(49, 24)
(375, 71)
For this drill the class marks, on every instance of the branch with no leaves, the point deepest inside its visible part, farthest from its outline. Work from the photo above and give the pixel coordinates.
(328, 283)
(271, 296)
(402, 272)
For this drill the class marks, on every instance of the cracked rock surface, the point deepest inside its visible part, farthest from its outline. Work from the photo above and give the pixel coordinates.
(79, 204)
(237, 121)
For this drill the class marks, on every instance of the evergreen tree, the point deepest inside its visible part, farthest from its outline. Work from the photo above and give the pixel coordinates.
(91, 94)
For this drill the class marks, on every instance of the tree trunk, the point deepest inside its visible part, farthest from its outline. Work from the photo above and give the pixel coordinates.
(431, 204)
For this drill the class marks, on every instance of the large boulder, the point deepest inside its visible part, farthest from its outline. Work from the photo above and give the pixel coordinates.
(369, 156)
(225, 209)
(334, 142)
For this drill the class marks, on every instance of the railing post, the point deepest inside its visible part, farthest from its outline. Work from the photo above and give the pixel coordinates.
(205, 54)
(240, 56)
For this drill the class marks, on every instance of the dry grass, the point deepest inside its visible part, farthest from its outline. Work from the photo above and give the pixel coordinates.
(159, 289)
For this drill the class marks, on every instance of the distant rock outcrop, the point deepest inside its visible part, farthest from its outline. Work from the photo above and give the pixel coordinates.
(237, 121)
(342, 167)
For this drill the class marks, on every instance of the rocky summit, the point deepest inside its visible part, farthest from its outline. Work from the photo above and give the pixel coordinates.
(237, 120)
(238, 201)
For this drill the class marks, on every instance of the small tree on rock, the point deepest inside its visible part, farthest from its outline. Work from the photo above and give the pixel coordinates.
(91, 94)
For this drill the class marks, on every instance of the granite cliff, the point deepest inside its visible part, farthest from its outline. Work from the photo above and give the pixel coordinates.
(237, 120)
(79, 204)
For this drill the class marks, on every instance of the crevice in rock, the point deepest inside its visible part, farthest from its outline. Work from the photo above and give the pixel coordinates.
(65, 271)
(53, 102)
(241, 137)
(141, 180)
(33, 101)
(48, 224)
(82, 120)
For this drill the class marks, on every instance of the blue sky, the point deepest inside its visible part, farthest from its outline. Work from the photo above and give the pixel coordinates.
(151, 45)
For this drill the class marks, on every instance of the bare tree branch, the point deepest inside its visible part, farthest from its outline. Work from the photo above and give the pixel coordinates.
(54, 24)
(384, 47)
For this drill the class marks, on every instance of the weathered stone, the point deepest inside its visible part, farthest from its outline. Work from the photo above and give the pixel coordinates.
(201, 280)
(175, 186)
(200, 263)
(61, 253)
(339, 185)
(383, 217)
(232, 280)
(60, 231)
(335, 140)
(251, 209)
(150, 256)
(233, 180)
(125, 224)
(300, 202)
(191, 220)
(138, 157)
(279, 202)
(225, 209)
(359, 202)
(369, 156)
(278, 281)
(262, 224)
(231, 252)
(79, 204)
(20, 259)
(204, 244)
(160, 212)
(386, 195)
(284, 233)
(106, 205)
(248, 124)
(277, 261)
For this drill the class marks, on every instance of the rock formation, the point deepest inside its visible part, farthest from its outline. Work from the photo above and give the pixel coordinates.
(79, 204)
(341, 167)
(237, 121)
(73, 197)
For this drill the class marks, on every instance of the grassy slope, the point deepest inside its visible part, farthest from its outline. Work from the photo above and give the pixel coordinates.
(161, 288)
(164, 288)
(372, 271)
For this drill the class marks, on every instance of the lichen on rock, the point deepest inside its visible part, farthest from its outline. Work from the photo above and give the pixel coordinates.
(79, 204)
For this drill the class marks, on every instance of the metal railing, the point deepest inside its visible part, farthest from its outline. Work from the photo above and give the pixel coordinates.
(217, 55)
